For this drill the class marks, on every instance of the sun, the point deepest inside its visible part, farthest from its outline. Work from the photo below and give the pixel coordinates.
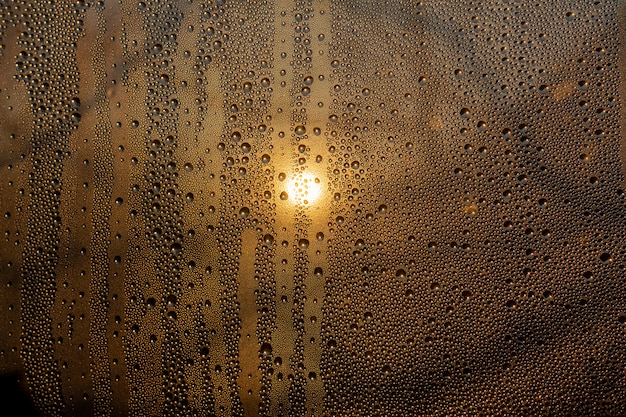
(304, 188)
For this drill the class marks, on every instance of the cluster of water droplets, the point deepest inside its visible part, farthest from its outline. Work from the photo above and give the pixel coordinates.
(303, 208)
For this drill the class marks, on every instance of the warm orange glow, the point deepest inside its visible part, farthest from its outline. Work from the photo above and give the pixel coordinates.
(304, 188)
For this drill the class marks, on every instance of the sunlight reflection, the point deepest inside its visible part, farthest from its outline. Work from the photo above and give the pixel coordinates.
(304, 188)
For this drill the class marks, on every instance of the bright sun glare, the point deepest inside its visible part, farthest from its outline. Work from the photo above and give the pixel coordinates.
(304, 188)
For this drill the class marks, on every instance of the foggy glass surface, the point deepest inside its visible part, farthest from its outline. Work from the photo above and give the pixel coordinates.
(312, 208)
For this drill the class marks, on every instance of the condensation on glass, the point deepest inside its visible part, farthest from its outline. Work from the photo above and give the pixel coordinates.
(313, 207)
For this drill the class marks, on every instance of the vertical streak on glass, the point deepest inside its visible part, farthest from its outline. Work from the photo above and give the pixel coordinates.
(16, 128)
(161, 78)
(300, 66)
(124, 184)
(244, 44)
(154, 337)
(621, 19)
(142, 356)
(199, 86)
(208, 90)
(232, 210)
(249, 380)
(49, 142)
(284, 334)
(302, 15)
(101, 233)
(266, 323)
(319, 211)
(70, 315)
(297, 393)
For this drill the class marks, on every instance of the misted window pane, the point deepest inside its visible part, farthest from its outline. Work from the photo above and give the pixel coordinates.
(312, 208)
